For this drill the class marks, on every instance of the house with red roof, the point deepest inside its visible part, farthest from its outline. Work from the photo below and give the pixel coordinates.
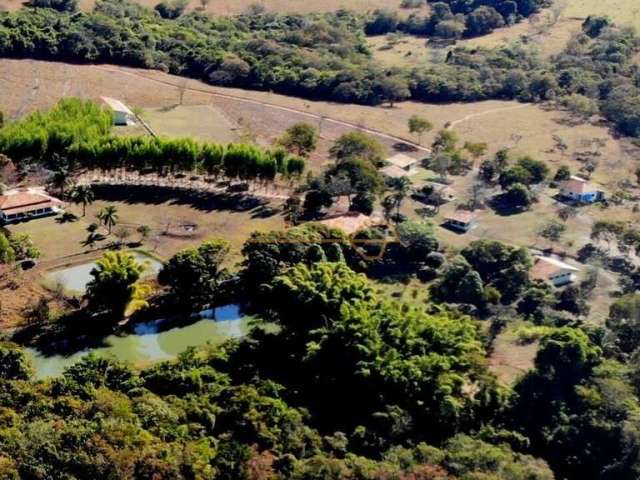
(580, 190)
(26, 203)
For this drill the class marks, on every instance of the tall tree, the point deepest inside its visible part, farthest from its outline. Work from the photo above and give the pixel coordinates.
(83, 195)
(301, 139)
(419, 126)
(109, 217)
(114, 284)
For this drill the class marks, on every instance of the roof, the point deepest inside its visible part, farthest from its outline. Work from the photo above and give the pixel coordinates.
(461, 216)
(116, 105)
(545, 267)
(393, 171)
(578, 185)
(25, 200)
(401, 160)
(349, 222)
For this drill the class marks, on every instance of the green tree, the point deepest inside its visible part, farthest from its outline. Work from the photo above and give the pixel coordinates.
(419, 126)
(83, 195)
(301, 139)
(7, 253)
(13, 363)
(401, 187)
(108, 216)
(518, 196)
(194, 275)
(357, 146)
(114, 284)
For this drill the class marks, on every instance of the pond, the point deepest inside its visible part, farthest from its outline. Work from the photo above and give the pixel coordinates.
(74, 279)
(152, 342)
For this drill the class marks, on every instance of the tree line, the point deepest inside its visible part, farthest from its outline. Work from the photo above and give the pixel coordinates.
(77, 134)
(325, 56)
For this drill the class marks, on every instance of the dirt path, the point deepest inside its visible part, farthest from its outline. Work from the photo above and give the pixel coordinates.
(486, 112)
(274, 106)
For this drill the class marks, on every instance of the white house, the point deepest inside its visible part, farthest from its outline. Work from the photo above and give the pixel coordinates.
(122, 115)
(551, 270)
(26, 203)
(580, 190)
(462, 220)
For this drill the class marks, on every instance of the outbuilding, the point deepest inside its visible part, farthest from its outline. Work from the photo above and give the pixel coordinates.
(461, 220)
(122, 115)
(580, 190)
(404, 162)
(552, 270)
(26, 203)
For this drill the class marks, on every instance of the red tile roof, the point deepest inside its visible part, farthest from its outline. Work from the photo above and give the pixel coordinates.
(25, 201)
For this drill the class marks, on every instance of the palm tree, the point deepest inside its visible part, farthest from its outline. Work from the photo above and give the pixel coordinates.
(61, 179)
(401, 187)
(83, 194)
(109, 217)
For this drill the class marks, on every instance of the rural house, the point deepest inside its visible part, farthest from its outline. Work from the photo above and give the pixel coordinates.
(27, 203)
(400, 165)
(580, 190)
(551, 270)
(122, 115)
(462, 220)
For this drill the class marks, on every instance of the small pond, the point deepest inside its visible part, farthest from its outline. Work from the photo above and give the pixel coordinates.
(74, 279)
(152, 342)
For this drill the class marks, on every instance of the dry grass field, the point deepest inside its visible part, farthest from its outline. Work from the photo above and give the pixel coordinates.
(203, 122)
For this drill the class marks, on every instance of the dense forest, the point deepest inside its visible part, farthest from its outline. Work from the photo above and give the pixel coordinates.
(350, 385)
(326, 56)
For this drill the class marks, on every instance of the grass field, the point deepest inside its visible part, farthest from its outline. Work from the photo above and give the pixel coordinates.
(163, 211)
(203, 122)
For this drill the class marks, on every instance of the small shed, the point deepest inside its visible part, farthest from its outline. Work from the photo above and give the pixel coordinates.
(404, 162)
(580, 190)
(461, 220)
(122, 115)
(391, 171)
(552, 270)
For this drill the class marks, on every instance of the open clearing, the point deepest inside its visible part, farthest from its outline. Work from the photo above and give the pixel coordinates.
(203, 122)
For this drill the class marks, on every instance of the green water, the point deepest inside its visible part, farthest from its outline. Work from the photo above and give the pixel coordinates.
(152, 342)
(75, 279)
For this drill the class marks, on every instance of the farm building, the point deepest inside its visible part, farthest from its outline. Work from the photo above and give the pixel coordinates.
(122, 115)
(580, 190)
(401, 165)
(462, 220)
(551, 270)
(27, 203)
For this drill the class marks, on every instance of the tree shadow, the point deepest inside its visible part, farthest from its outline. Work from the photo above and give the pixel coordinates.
(67, 217)
(199, 200)
(503, 207)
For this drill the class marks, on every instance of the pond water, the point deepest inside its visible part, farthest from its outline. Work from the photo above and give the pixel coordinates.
(152, 342)
(75, 279)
